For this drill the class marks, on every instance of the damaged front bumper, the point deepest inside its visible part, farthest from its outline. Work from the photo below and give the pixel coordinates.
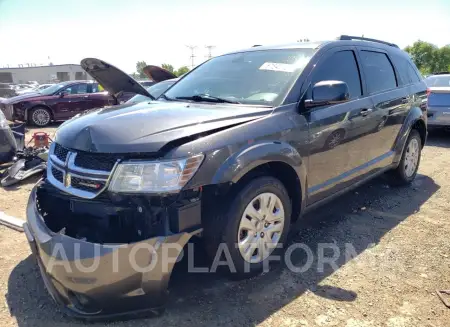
(102, 281)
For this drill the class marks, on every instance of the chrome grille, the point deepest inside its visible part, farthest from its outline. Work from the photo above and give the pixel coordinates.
(84, 178)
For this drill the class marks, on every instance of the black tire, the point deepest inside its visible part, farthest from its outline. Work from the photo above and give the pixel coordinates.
(329, 142)
(34, 116)
(223, 228)
(399, 175)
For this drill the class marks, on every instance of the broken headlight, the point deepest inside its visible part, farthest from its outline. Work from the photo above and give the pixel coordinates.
(154, 176)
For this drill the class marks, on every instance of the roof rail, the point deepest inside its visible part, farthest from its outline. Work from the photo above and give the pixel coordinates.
(440, 73)
(348, 37)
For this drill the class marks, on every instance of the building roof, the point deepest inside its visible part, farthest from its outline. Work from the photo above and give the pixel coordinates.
(26, 67)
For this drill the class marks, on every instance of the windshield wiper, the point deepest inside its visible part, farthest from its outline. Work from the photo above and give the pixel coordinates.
(207, 98)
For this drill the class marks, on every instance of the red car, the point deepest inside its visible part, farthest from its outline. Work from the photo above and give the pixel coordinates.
(64, 100)
(58, 102)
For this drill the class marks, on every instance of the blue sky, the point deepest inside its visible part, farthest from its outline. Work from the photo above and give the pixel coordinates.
(123, 32)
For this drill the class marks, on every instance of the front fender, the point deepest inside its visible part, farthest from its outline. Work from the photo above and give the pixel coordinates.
(414, 115)
(243, 161)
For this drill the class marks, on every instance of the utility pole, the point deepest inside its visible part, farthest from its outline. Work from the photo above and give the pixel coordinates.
(192, 48)
(209, 47)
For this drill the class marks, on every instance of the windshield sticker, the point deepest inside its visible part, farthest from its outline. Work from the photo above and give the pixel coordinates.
(279, 67)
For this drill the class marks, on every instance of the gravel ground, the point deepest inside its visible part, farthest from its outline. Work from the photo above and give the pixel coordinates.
(400, 239)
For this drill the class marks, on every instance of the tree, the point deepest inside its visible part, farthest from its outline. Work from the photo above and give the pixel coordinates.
(140, 69)
(428, 57)
(182, 70)
(168, 67)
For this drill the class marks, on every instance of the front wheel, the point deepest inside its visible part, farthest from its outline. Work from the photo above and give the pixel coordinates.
(406, 171)
(40, 116)
(254, 228)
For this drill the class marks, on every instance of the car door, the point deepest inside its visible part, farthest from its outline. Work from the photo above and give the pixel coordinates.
(99, 98)
(336, 146)
(391, 102)
(73, 100)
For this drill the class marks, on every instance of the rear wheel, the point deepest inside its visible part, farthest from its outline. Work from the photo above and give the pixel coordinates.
(406, 171)
(40, 116)
(255, 226)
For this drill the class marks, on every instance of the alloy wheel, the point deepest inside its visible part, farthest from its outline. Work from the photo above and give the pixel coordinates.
(411, 157)
(261, 227)
(41, 117)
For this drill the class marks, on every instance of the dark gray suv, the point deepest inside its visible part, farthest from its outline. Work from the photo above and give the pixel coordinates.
(234, 152)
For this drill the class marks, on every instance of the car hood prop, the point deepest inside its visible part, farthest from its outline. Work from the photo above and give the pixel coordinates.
(112, 79)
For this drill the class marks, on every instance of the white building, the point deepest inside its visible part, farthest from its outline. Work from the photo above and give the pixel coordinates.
(43, 74)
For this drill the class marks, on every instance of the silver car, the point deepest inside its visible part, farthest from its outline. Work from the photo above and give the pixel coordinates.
(438, 101)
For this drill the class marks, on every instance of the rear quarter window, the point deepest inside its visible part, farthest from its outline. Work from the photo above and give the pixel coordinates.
(378, 70)
(406, 72)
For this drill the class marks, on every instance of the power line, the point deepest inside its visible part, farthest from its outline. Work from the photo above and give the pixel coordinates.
(209, 47)
(192, 48)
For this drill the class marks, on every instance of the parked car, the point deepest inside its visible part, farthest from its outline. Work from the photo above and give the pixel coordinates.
(8, 144)
(59, 102)
(224, 154)
(155, 91)
(43, 86)
(438, 100)
(146, 83)
(7, 90)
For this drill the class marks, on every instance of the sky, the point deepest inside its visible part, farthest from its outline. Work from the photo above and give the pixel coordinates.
(124, 32)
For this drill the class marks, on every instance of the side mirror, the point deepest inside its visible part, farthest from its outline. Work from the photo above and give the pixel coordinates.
(328, 92)
(63, 94)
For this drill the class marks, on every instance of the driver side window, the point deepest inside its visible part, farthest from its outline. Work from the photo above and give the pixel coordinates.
(76, 89)
(341, 66)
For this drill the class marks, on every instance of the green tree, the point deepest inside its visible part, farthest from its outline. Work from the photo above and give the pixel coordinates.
(428, 57)
(182, 70)
(168, 67)
(140, 65)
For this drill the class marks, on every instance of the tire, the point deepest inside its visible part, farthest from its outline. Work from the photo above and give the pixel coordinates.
(227, 229)
(40, 116)
(405, 173)
(331, 142)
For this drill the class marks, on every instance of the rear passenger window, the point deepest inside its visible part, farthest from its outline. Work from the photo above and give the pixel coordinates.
(341, 66)
(378, 71)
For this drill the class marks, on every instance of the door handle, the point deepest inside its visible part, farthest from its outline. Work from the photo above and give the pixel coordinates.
(366, 111)
(86, 96)
(405, 100)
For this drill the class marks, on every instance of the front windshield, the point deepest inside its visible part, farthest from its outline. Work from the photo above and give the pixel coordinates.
(155, 90)
(255, 77)
(438, 81)
(51, 89)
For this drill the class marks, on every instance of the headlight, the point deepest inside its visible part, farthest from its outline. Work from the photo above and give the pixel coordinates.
(154, 177)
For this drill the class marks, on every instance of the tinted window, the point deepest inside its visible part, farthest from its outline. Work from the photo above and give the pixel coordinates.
(341, 66)
(77, 89)
(95, 88)
(378, 71)
(412, 73)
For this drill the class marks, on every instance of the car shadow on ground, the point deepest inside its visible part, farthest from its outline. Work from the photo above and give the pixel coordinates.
(353, 223)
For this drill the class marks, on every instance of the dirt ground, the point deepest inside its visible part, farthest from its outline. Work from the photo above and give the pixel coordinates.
(400, 236)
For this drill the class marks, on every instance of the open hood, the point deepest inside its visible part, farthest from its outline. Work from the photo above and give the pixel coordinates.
(111, 78)
(157, 74)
